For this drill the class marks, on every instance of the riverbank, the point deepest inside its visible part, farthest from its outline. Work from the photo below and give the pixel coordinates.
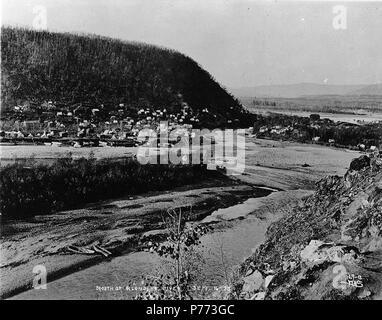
(348, 116)
(120, 225)
(27, 190)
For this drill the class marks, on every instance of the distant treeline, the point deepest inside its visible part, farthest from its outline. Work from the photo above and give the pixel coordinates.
(304, 129)
(27, 190)
(267, 103)
(322, 104)
(39, 66)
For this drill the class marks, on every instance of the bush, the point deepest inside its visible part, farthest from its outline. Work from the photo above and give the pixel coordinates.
(180, 256)
(68, 183)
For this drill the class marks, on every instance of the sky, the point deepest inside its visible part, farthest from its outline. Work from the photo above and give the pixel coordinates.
(241, 43)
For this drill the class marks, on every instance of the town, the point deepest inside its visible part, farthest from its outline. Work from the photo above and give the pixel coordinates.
(82, 125)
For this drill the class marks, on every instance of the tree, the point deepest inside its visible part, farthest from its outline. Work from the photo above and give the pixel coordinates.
(178, 248)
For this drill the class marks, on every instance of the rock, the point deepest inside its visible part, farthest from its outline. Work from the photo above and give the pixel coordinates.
(269, 272)
(318, 252)
(253, 282)
(310, 253)
(259, 296)
(328, 239)
(289, 265)
(345, 237)
(364, 293)
(267, 281)
(360, 163)
(335, 254)
(249, 272)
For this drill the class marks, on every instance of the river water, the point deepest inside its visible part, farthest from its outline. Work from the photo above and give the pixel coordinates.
(235, 234)
(337, 117)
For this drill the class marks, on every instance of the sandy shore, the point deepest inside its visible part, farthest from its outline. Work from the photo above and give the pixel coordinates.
(289, 165)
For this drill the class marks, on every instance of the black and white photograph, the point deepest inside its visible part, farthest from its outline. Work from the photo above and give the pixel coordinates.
(203, 150)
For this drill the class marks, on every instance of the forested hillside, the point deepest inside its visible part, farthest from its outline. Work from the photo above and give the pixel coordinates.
(40, 66)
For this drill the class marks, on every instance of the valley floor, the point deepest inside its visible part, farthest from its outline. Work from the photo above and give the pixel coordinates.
(120, 226)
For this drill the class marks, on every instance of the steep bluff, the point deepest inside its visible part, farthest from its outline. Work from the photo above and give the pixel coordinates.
(328, 247)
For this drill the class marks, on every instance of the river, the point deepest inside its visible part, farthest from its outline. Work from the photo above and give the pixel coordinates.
(232, 240)
(237, 230)
(337, 117)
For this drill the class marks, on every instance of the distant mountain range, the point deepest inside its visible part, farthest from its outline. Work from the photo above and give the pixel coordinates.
(306, 89)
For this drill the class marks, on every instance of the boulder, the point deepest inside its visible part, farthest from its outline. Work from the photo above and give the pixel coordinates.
(318, 252)
(253, 282)
(360, 163)
(259, 296)
(267, 281)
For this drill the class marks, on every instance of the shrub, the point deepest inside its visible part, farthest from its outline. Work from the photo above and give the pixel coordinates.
(181, 257)
(68, 183)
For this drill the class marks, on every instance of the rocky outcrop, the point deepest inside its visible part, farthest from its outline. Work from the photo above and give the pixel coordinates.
(360, 163)
(328, 247)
